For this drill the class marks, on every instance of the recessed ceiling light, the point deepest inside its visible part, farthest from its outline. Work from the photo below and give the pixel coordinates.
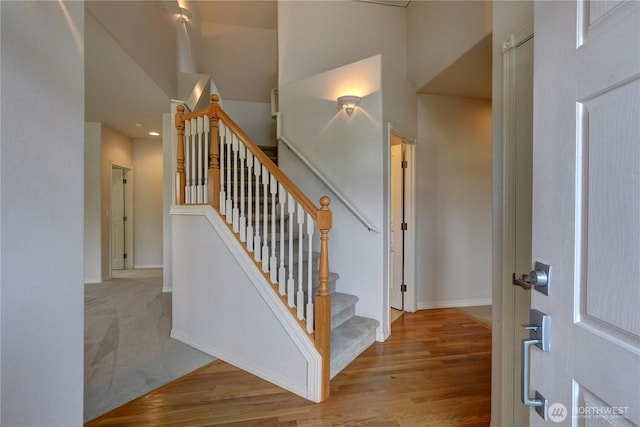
(138, 125)
(154, 133)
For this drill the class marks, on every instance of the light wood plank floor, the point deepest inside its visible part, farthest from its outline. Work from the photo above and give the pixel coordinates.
(434, 370)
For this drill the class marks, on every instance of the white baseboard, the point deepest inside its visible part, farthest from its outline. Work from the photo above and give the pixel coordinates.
(92, 281)
(453, 303)
(146, 266)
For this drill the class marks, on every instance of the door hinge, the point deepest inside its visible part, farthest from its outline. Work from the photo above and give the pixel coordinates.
(124, 218)
(404, 226)
(403, 287)
(405, 164)
(124, 256)
(124, 180)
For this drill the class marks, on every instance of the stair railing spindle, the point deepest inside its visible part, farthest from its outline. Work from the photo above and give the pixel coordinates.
(206, 160)
(265, 230)
(249, 202)
(200, 160)
(223, 156)
(291, 209)
(282, 279)
(300, 299)
(228, 157)
(234, 184)
(187, 161)
(273, 261)
(309, 310)
(242, 221)
(192, 160)
(257, 171)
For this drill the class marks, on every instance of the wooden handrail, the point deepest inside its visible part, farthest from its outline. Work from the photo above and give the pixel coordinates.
(322, 216)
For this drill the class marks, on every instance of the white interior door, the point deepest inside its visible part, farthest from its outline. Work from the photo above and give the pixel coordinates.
(397, 218)
(586, 210)
(117, 219)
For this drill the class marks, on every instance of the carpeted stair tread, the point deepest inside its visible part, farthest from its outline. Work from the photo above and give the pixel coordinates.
(343, 308)
(349, 340)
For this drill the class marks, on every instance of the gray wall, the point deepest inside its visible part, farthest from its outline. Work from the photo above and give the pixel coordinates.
(42, 209)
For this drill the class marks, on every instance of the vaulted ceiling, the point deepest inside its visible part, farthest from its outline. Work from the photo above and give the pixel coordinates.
(241, 40)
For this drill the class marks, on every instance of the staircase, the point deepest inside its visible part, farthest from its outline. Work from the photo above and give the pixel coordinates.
(280, 240)
(350, 334)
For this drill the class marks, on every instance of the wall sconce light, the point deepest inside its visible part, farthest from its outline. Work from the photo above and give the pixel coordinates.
(185, 14)
(349, 102)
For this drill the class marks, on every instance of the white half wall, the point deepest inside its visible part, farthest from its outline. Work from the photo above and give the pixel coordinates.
(42, 195)
(147, 196)
(453, 241)
(224, 306)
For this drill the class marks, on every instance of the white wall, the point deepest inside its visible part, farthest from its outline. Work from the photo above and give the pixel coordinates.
(117, 149)
(255, 119)
(147, 33)
(92, 203)
(454, 202)
(147, 202)
(440, 32)
(41, 370)
(247, 48)
(349, 152)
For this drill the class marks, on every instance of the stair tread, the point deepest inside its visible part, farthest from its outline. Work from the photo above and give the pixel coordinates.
(340, 301)
(349, 340)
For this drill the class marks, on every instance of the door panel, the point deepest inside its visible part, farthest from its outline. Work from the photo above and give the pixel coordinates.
(586, 210)
(396, 227)
(117, 215)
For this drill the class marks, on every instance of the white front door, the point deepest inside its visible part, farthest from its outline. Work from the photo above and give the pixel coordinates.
(586, 210)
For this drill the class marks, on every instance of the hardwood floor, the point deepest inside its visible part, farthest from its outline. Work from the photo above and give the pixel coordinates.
(434, 370)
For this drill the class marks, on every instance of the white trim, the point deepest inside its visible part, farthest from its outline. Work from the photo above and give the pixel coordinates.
(146, 266)
(298, 336)
(503, 334)
(453, 303)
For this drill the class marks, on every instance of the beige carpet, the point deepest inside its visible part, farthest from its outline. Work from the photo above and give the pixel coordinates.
(128, 351)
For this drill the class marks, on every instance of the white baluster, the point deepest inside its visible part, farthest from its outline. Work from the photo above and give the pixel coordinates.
(205, 142)
(257, 171)
(199, 153)
(282, 279)
(229, 202)
(265, 230)
(242, 221)
(310, 268)
(187, 162)
(273, 261)
(236, 211)
(223, 195)
(291, 210)
(194, 135)
(300, 299)
(249, 202)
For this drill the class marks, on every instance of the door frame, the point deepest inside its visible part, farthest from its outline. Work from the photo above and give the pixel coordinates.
(128, 209)
(410, 218)
(503, 337)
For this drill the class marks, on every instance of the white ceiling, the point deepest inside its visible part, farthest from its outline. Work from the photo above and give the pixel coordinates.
(120, 94)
